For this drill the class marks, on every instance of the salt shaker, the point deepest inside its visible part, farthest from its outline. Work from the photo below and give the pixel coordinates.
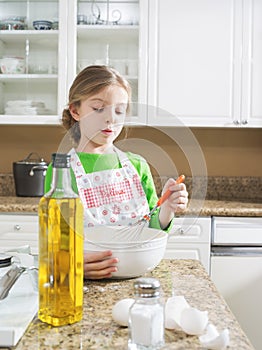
(146, 316)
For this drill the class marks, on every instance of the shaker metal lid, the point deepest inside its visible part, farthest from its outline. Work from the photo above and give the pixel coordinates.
(147, 287)
(5, 260)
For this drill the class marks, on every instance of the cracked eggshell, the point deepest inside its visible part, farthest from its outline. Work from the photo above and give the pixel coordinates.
(173, 309)
(213, 339)
(120, 311)
(193, 321)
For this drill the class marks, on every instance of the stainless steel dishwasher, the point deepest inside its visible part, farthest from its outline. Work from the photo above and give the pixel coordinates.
(236, 269)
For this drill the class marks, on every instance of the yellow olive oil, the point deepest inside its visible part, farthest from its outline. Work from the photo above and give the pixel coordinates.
(60, 259)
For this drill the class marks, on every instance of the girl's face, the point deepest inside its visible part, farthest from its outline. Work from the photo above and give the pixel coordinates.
(101, 117)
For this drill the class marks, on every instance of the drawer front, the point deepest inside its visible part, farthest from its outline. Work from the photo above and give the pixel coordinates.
(238, 230)
(17, 231)
(191, 230)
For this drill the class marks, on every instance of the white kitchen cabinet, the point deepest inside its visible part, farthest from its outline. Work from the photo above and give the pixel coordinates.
(251, 112)
(44, 52)
(236, 269)
(113, 33)
(190, 239)
(205, 63)
(17, 230)
(108, 33)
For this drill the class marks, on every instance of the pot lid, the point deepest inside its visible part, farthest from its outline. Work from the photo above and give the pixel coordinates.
(32, 158)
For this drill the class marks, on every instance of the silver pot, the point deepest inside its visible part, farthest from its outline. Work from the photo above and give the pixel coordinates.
(29, 176)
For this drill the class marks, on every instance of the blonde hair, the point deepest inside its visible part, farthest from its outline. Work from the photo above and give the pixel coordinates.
(90, 81)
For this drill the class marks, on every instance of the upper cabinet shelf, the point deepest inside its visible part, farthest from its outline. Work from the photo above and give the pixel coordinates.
(18, 77)
(30, 120)
(108, 32)
(16, 35)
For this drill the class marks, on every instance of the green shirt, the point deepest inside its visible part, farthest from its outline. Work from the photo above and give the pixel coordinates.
(98, 162)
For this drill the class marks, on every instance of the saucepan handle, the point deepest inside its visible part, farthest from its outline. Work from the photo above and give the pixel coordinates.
(38, 167)
(30, 157)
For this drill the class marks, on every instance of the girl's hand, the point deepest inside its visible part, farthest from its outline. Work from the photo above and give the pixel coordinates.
(176, 202)
(99, 265)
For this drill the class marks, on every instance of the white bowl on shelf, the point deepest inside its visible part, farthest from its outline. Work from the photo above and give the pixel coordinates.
(12, 65)
(42, 25)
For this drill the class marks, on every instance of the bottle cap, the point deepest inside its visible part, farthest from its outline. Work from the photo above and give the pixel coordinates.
(61, 160)
(147, 287)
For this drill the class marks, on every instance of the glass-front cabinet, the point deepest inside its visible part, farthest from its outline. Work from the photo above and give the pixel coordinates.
(44, 44)
(110, 32)
(32, 79)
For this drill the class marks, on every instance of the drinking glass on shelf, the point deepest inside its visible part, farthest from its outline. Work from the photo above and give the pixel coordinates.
(132, 67)
(82, 63)
(119, 65)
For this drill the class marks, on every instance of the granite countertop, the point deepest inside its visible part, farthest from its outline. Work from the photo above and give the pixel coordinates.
(207, 207)
(221, 196)
(98, 331)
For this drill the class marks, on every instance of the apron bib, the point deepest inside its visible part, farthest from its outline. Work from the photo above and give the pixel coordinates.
(110, 197)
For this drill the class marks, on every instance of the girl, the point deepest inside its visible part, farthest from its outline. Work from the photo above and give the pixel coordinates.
(115, 187)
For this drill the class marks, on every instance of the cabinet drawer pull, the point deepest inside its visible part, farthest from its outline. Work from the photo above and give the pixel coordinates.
(17, 227)
(181, 231)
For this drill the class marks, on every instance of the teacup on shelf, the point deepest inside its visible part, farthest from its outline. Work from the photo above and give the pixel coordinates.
(12, 65)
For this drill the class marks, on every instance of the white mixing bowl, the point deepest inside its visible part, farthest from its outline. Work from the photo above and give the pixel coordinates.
(135, 257)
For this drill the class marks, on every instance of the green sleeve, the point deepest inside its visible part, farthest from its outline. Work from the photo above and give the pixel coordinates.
(150, 191)
(48, 178)
(154, 222)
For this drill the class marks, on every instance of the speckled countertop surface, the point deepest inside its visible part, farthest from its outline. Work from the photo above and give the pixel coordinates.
(19, 204)
(196, 207)
(97, 330)
(222, 196)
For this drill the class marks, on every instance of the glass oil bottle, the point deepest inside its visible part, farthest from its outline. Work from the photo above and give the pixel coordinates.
(60, 249)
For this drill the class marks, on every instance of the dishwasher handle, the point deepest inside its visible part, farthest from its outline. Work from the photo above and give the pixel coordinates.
(236, 251)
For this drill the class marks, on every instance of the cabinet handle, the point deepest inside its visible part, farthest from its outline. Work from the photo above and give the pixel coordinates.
(181, 231)
(17, 227)
(244, 122)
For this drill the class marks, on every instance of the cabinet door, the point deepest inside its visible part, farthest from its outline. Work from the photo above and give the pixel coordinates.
(111, 33)
(190, 239)
(251, 112)
(194, 65)
(17, 231)
(239, 281)
(32, 91)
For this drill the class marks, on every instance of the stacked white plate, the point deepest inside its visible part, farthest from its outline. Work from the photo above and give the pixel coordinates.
(26, 107)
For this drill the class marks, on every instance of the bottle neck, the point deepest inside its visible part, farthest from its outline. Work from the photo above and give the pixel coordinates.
(61, 186)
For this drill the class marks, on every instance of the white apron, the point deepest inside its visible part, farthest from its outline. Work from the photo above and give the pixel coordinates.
(110, 197)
